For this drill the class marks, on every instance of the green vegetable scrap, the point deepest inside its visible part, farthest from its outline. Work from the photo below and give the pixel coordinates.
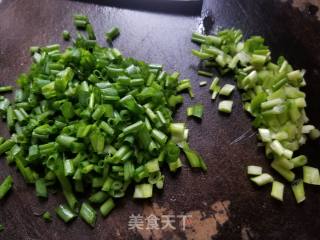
(92, 120)
(271, 93)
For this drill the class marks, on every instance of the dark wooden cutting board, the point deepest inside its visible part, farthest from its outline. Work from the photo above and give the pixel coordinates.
(222, 202)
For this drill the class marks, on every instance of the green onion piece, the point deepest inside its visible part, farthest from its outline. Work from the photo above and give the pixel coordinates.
(299, 161)
(265, 135)
(159, 136)
(66, 35)
(314, 134)
(262, 179)
(277, 190)
(65, 213)
(112, 34)
(205, 73)
(202, 83)
(298, 190)
(98, 197)
(174, 165)
(80, 24)
(277, 147)
(214, 83)
(311, 175)
(227, 89)
(41, 188)
(6, 89)
(47, 216)
(225, 106)
(106, 207)
(193, 157)
(34, 49)
(143, 191)
(196, 111)
(287, 174)
(89, 30)
(254, 170)
(1, 227)
(152, 166)
(5, 186)
(88, 214)
(7, 145)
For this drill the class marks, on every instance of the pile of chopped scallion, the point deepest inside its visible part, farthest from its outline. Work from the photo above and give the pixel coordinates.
(91, 120)
(271, 94)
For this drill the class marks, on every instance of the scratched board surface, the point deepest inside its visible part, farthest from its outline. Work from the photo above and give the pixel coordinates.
(222, 203)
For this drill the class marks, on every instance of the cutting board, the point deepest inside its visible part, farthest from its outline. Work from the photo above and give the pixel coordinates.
(219, 204)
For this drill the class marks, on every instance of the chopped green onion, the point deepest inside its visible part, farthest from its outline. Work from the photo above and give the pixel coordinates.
(284, 172)
(311, 175)
(65, 213)
(299, 161)
(5, 186)
(98, 197)
(204, 73)
(226, 90)
(262, 179)
(112, 34)
(5, 89)
(91, 120)
(41, 188)
(254, 170)
(175, 165)
(106, 207)
(298, 190)
(277, 190)
(46, 216)
(193, 157)
(143, 191)
(66, 35)
(88, 214)
(196, 111)
(225, 106)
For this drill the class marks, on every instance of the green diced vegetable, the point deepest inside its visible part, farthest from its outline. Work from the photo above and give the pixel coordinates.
(271, 93)
(262, 179)
(298, 190)
(225, 106)
(196, 111)
(47, 216)
(106, 207)
(254, 170)
(65, 213)
(143, 191)
(66, 35)
(277, 190)
(226, 90)
(88, 214)
(311, 175)
(5, 186)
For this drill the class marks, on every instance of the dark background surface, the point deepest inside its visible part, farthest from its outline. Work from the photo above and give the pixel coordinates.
(160, 37)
